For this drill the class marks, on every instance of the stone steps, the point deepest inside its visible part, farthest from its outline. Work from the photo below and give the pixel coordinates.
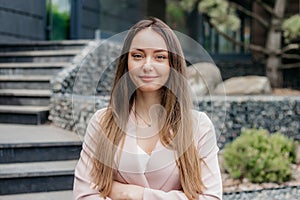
(25, 82)
(57, 195)
(64, 55)
(43, 45)
(28, 68)
(36, 176)
(36, 159)
(18, 136)
(36, 169)
(23, 114)
(25, 97)
(47, 151)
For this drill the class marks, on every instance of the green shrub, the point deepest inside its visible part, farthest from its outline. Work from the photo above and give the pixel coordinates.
(260, 156)
(291, 28)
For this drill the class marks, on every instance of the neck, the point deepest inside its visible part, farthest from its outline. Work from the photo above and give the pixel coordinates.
(147, 109)
(144, 101)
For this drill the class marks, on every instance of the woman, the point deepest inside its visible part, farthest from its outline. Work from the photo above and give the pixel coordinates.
(149, 143)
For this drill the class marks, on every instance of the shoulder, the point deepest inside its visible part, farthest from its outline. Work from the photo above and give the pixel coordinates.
(200, 119)
(97, 116)
(93, 131)
(204, 133)
(94, 126)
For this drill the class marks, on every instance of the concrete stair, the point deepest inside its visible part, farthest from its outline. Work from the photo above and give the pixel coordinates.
(38, 56)
(25, 97)
(37, 161)
(43, 45)
(36, 177)
(26, 70)
(57, 195)
(25, 81)
(24, 114)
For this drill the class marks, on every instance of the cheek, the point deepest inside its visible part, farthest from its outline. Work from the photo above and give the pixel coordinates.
(130, 64)
(166, 72)
(133, 68)
(132, 71)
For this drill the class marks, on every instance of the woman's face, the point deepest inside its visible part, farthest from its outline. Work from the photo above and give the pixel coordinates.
(148, 61)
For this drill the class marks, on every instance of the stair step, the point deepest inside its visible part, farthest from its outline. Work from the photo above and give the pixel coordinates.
(57, 195)
(33, 65)
(25, 82)
(42, 45)
(25, 97)
(31, 68)
(16, 153)
(39, 56)
(47, 133)
(23, 109)
(23, 114)
(40, 53)
(36, 176)
(16, 78)
(46, 142)
(36, 169)
(20, 92)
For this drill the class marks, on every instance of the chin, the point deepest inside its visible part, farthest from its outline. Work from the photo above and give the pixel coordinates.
(153, 88)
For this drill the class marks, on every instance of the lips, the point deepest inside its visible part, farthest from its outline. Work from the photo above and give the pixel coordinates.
(148, 78)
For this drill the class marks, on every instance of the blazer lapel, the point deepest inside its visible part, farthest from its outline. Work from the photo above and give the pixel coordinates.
(161, 166)
(129, 166)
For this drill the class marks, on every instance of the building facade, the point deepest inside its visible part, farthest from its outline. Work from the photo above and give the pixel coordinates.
(22, 20)
(87, 19)
(69, 19)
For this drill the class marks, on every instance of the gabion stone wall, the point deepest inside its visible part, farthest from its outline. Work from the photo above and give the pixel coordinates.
(83, 88)
(91, 72)
(229, 117)
(73, 112)
(274, 113)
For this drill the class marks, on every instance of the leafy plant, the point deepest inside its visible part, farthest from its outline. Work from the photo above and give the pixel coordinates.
(260, 156)
(221, 14)
(291, 28)
(176, 17)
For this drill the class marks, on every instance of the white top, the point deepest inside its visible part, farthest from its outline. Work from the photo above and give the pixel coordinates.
(143, 158)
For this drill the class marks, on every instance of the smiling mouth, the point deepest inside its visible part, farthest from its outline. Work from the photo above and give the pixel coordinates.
(147, 78)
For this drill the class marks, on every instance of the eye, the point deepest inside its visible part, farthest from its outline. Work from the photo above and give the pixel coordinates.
(137, 56)
(160, 57)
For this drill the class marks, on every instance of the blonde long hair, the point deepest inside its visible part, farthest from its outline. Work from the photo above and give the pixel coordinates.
(177, 103)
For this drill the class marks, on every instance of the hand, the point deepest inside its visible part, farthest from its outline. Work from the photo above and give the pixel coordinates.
(121, 191)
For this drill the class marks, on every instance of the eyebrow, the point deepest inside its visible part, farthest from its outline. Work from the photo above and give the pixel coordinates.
(156, 51)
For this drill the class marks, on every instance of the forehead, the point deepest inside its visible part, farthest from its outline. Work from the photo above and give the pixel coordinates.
(148, 39)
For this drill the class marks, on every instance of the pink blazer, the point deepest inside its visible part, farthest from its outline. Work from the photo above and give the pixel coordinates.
(161, 176)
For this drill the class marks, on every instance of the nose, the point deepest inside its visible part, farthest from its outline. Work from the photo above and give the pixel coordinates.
(148, 64)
